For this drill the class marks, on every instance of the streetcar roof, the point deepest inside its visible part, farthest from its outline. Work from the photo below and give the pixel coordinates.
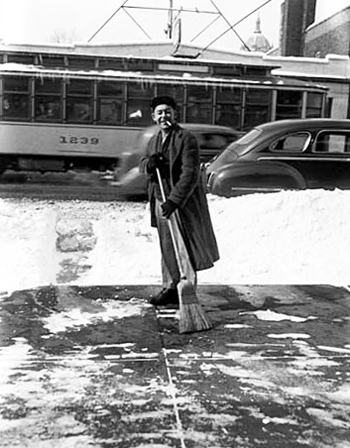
(12, 68)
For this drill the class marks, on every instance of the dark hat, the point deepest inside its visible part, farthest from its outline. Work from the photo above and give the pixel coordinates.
(168, 100)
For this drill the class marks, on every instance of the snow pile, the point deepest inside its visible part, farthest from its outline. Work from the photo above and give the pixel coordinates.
(27, 246)
(287, 237)
(127, 251)
(278, 238)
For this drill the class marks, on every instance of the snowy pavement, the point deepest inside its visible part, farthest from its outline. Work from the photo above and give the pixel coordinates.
(99, 367)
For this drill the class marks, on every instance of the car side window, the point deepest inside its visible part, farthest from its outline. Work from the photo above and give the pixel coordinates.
(333, 142)
(296, 142)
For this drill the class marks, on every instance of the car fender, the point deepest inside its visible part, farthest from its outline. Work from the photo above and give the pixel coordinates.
(253, 177)
(133, 183)
(126, 161)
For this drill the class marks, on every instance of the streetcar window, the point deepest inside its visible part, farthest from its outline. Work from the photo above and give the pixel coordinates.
(288, 104)
(139, 98)
(257, 107)
(48, 99)
(111, 102)
(139, 112)
(48, 108)
(110, 88)
(20, 59)
(199, 104)
(110, 111)
(228, 106)
(81, 62)
(47, 85)
(16, 106)
(138, 89)
(50, 60)
(16, 84)
(110, 64)
(79, 87)
(79, 110)
(79, 101)
(314, 105)
(16, 100)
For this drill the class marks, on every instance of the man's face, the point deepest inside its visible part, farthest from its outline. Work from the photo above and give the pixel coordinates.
(164, 116)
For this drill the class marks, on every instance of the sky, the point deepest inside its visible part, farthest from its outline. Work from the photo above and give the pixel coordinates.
(291, 237)
(25, 21)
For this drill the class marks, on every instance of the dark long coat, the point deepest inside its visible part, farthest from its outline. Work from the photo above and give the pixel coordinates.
(187, 190)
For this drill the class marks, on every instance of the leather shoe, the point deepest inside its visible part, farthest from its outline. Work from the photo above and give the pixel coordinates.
(165, 297)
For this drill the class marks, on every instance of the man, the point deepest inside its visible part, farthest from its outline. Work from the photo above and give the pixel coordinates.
(175, 152)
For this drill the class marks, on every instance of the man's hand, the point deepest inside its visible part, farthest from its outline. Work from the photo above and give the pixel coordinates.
(168, 207)
(155, 161)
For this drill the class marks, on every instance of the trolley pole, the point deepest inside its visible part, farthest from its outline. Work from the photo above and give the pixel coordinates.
(170, 20)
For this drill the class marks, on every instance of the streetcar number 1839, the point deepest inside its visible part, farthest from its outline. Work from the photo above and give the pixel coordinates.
(79, 140)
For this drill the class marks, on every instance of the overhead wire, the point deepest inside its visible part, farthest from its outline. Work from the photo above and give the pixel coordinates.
(136, 22)
(232, 26)
(108, 20)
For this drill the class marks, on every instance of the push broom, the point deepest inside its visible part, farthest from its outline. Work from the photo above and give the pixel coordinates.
(192, 316)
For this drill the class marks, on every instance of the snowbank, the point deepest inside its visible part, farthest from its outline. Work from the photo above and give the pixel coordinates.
(27, 246)
(287, 238)
(279, 238)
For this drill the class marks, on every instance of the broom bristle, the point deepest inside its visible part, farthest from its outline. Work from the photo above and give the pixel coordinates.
(192, 316)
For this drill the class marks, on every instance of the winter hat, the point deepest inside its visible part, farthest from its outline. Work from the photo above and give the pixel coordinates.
(168, 100)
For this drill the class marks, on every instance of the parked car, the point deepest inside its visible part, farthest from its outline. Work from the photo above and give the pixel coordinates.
(211, 138)
(286, 154)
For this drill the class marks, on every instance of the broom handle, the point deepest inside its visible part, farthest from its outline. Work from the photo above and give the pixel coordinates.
(171, 228)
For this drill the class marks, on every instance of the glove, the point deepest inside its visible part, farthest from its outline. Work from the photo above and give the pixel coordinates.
(155, 161)
(168, 207)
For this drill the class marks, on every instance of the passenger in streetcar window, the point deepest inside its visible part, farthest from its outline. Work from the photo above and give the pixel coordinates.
(85, 113)
(53, 111)
(115, 113)
(40, 112)
(16, 106)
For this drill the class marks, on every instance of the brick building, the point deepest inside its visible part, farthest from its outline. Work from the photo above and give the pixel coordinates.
(330, 36)
(296, 16)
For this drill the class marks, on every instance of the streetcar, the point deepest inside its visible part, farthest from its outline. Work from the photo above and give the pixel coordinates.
(62, 111)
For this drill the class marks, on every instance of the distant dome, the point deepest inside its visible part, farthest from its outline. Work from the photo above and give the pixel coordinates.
(257, 41)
